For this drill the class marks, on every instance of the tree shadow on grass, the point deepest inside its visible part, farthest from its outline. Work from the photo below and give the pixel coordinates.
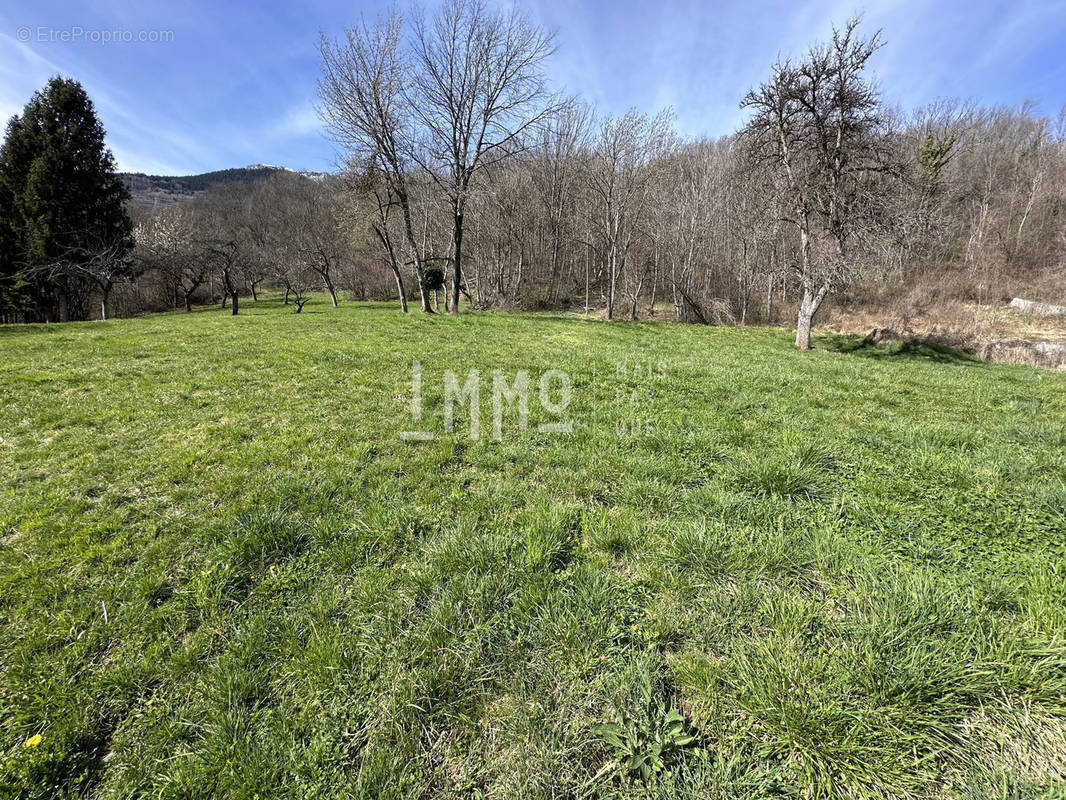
(902, 350)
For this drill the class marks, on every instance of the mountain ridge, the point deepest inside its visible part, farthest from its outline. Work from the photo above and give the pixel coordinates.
(149, 192)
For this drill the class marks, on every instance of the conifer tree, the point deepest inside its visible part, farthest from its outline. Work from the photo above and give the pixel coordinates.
(64, 231)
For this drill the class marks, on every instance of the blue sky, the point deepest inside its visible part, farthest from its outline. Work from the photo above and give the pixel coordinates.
(236, 83)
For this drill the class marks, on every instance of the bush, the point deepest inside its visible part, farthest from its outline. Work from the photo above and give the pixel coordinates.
(433, 279)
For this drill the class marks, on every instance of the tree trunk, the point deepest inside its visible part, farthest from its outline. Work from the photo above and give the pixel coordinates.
(423, 295)
(654, 283)
(457, 240)
(553, 276)
(386, 242)
(234, 304)
(518, 277)
(636, 299)
(412, 243)
(588, 267)
(103, 303)
(676, 295)
(332, 291)
(188, 302)
(809, 306)
(611, 277)
(64, 307)
(399, 287)
(803, 324)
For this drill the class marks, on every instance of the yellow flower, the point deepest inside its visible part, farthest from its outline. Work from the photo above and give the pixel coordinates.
(33, 741)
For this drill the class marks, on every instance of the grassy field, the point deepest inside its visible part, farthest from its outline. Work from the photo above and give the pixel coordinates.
(746, 572)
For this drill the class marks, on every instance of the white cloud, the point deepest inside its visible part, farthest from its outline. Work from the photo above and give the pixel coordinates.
(22, 72)
(138, 144)
(303, 120)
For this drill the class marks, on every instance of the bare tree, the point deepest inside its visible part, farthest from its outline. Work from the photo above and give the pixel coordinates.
(306, 227)
(478, 85)
(362, 102)
(384, 203)
(557, 168)
(222, 239)
(684, 210)
(816, 126)
(299, 279)
(620, 179)
(225, 256)
(167, 242)
(752, 230)
(104, 264)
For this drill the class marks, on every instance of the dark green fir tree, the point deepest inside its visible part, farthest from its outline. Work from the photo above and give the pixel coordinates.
(64, 230)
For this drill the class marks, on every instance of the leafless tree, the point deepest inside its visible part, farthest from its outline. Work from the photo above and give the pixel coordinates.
(477, 86)
(104, 264)
(620, 178)
(362, 100)
(558, 164)
(225, 256)
(816, 126)
(166, 241)
(307, 225)
(222, 238)
(371, 202)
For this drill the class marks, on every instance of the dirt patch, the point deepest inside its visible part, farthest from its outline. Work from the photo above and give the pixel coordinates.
(1021, 351)
(998, 334)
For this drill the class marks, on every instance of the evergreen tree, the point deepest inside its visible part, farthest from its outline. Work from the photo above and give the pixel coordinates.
(63, 220)
(13, 294)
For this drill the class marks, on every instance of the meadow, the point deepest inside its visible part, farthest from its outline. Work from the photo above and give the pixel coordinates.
(746, 571)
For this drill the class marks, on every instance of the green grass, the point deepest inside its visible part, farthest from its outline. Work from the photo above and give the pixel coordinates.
(223, 574)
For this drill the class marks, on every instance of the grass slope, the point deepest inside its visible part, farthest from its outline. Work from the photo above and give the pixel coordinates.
(223, 574)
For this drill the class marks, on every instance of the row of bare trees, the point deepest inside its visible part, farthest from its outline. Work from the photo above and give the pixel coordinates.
(450, 99)
(286, 232)
(467, 174)
(824, 190)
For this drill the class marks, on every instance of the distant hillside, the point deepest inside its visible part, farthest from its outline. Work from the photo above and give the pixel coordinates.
(153, 191)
